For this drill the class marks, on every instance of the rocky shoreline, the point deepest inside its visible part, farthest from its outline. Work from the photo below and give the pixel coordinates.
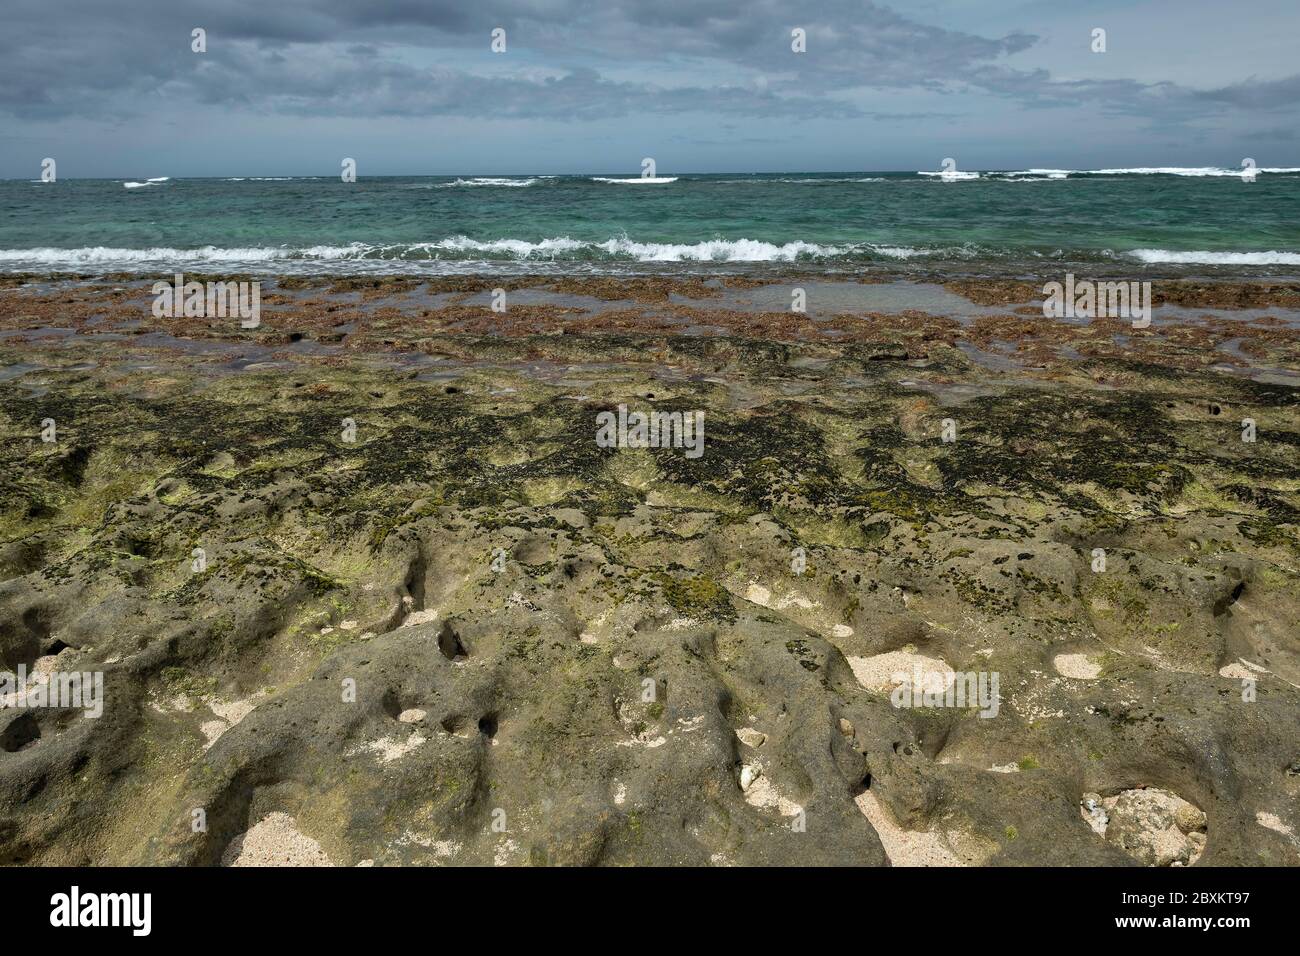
(365, 589)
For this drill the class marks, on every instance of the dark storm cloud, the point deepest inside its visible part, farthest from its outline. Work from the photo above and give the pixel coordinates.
(90, 58)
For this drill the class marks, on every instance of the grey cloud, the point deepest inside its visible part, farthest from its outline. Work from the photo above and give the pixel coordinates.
(1258, 95)
(334, 82)
(338, 58)
(91, 60)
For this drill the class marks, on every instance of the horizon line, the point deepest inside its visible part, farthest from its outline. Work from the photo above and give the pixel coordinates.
(623, 174)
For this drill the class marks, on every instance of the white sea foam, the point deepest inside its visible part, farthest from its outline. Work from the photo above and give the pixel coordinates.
(640, 180)
(1031, 175)
(519, 248)
(463, 248)
(716, 250)
(950, 175)
(1208, 258)
(488, 181)
(100, 255)
(1183, 171)
(846, 179)
(901, 252)
(806, 179)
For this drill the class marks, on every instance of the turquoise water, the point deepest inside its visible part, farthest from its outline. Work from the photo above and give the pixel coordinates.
(1014, 223)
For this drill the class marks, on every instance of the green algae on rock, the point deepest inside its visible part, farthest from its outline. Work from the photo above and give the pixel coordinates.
(295, 547)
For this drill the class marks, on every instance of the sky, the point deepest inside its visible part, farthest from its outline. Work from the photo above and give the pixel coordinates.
(413, 87)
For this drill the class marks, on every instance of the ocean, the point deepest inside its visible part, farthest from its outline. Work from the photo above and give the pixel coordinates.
(1127, 222)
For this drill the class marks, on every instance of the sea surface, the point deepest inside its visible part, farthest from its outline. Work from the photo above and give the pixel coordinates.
(1124, 222)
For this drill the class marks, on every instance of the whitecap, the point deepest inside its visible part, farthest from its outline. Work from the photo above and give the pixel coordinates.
(950, 175)
(640, 180)
(487, 181)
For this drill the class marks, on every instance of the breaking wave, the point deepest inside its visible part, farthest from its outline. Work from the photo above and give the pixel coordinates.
(1207, 258)
(489, 181)
(462, 247)
(457, 252)
(635, 180)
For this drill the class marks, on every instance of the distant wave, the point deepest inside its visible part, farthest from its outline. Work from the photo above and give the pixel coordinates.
(1194, 171)
(488, 181)
(1207, 258)
(1031, 175)
(264, 179)
(1037, 175)
(1183, 171)
(640, 180)
(156, 180)
(955, 175)
(807, 179)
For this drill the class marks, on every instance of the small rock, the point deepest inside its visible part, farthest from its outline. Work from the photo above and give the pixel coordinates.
(1147, 824)
(1189, 819)
(1094, 814)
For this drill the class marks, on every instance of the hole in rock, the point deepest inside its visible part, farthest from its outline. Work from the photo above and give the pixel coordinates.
(1222, 604)
(487, 725)
(390, 704)
(21, 731)
(450, 645)
(452, 724)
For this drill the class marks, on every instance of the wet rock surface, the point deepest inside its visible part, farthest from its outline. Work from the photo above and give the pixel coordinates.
(458, 631)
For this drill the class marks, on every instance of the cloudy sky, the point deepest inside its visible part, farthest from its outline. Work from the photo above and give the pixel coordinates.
(413, 87)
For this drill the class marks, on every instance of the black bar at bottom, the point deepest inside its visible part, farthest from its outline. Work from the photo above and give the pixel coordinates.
(301, 905)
